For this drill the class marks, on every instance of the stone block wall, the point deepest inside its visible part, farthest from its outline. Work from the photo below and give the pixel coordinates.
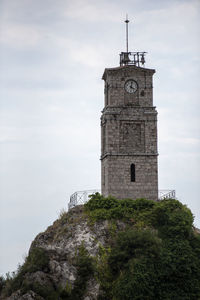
(129, 135)
(116, 177)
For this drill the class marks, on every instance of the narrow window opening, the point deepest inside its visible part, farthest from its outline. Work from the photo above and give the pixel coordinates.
(104, 176)
(132, 173)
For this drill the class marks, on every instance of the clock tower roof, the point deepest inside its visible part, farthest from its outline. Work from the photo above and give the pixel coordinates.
(124, 68)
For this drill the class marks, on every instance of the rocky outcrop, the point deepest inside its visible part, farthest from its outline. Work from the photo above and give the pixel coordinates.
(28, 296)
(112, 249)
(61, 242)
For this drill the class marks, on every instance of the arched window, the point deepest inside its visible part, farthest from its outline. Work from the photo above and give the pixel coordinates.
(132, 172)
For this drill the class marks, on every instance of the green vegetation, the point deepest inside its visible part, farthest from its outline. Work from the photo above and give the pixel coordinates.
(85, 270)
(152, 251)
(100, 208)
(37, 260)
(157, 256)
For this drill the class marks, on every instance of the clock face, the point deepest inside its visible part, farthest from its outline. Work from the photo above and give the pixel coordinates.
(131, 86)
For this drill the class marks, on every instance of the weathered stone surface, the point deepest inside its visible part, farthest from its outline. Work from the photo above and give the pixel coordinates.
(92, 290)
(39, 277)
(28, 296)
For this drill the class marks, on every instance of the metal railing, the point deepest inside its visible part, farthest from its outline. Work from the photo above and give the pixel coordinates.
(132, 58)
(166, 194)
(81, 197)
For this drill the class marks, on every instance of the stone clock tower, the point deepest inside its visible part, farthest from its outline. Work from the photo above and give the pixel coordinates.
(129, 131)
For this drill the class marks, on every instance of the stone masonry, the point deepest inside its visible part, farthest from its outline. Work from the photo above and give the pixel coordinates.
(129, 135)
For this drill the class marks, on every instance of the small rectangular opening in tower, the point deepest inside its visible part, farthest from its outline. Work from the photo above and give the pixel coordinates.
(132, 172)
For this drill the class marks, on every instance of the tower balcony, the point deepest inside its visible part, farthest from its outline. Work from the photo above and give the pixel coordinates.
(82, 197)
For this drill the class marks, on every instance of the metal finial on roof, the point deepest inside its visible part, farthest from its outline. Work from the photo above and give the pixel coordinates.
(126, 21)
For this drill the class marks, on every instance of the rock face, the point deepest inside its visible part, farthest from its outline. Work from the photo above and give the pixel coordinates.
(28, 296)
(61, 242)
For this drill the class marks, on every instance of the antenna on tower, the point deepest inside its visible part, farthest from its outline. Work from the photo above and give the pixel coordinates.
(131, 58)
(126, 21)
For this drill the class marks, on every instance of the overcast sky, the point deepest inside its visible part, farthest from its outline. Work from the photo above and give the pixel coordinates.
(52, 57)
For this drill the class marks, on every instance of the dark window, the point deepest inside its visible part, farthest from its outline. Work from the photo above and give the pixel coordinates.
(104, 176)
(132, 172)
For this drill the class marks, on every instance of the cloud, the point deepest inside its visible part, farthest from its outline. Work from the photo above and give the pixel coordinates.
(92, 11)
(165, 30)
(20, 36)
